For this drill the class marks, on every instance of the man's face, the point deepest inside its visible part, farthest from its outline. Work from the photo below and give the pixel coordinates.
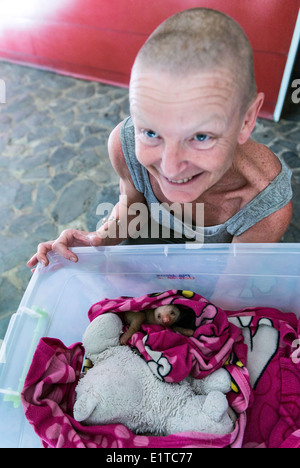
(186, 129)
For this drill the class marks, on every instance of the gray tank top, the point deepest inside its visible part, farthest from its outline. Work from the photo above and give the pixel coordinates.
(276, 195)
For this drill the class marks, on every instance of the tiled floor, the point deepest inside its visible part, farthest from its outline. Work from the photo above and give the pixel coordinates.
(54, 169)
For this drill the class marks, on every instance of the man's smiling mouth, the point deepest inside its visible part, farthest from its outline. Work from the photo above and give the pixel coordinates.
(180, 181)
(185, 180)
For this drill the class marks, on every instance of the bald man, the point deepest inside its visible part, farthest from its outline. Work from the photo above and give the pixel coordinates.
(193, 107)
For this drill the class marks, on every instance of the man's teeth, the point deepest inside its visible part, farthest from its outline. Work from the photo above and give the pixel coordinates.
(182, 181)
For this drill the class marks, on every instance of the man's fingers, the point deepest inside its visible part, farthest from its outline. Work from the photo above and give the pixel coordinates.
(41, 255)
(94, 239)
(32, 262)
(70, 238)
(60, 247)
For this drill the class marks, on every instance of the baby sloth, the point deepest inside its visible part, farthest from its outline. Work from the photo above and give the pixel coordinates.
(165, 315)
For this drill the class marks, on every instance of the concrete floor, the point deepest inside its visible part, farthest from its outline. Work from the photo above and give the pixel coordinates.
(54, 167)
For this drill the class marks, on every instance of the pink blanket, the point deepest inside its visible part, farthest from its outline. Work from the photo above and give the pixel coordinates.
(172, 356)
(49, 390)
(273, 340)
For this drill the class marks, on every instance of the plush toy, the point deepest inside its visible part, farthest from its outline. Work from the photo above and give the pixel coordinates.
(121, 388)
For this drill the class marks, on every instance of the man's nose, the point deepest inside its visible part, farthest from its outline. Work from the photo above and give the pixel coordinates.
(173, 160)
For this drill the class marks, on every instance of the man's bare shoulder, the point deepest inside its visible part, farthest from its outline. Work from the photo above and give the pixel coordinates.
(258, 164)
(118, 162)
(116, 154)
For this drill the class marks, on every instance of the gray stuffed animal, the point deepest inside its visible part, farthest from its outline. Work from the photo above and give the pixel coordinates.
(120, 388)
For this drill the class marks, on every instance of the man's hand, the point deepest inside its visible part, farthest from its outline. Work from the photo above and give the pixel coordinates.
(68, 238)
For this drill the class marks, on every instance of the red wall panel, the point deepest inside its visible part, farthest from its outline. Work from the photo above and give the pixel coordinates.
(98, 39)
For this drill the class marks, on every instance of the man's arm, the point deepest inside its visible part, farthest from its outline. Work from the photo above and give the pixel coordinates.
(268, 230)
(108, 233)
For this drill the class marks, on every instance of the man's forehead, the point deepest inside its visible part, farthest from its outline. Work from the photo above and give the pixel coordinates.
(168, 86)
(208, 92)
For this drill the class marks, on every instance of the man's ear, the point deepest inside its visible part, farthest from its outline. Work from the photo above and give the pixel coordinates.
(250, 117)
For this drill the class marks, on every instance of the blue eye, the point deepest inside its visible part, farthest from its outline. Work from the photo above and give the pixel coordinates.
(201, 137)
(150, 134)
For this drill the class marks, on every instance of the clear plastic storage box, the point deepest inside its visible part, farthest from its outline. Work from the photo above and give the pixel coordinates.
(59, 296)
